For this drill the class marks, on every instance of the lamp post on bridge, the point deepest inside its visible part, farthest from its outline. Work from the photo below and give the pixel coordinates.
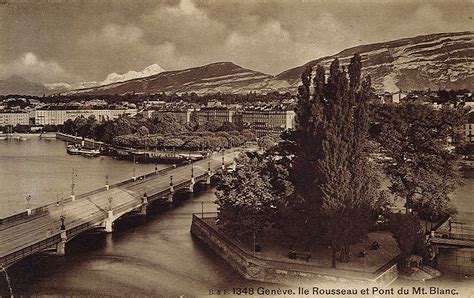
(73, 184)
(28, 207)
(134, 170)
(191, 186)
(62, 218)
(107, 182)
(209, 174)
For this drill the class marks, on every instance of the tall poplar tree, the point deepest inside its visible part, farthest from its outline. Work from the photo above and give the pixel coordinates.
(333, 174)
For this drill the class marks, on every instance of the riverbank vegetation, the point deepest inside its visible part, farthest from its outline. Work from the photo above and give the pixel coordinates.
(163, 132)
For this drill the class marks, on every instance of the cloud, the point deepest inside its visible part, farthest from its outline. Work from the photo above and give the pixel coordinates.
(87, 40)
(30, 66)
(121, 34)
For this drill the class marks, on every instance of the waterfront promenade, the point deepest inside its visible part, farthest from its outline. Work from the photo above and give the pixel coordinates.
(46, 230)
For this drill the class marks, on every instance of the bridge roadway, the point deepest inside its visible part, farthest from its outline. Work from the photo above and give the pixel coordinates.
(29, 236)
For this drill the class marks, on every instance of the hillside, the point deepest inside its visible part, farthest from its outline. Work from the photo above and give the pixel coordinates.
(19, 85)
(224, 77)
(444, 60)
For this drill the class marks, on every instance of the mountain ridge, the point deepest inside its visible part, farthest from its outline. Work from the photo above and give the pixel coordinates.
(436, 61)
(199, 79)
(389, 51)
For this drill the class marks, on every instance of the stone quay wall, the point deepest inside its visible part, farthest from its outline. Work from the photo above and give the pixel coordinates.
(284, 272)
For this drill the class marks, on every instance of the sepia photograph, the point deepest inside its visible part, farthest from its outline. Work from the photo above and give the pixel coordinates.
(237, 148)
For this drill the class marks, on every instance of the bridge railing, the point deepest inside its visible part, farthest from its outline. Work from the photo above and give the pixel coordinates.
(78, 229)
(27, 251)
(455, 236)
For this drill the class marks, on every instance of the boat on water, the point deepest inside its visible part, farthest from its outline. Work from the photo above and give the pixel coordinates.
(79, 150)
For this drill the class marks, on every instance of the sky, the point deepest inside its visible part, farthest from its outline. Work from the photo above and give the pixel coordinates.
(85, 40)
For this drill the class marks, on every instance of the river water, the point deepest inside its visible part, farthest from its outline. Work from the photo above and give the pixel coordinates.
(42, 168)
(153, 256)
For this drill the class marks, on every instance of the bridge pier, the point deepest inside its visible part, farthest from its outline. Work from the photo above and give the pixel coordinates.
(144, 207)
(171, 189)
(108, 222)
(209, 174)
(191, 185)
(61, 246)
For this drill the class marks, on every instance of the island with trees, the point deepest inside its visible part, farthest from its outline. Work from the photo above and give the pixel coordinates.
(350, 195)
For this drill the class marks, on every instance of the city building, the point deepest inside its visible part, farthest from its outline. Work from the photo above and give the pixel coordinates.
(14, 118)
(262, 118)
(57, 116)
(214, 114)
(268, 120)
(468, 128)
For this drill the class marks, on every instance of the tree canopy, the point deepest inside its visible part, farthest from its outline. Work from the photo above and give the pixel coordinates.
(422, 166)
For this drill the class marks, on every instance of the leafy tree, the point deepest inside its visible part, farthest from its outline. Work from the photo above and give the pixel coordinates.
(83, 126)
(245, 200)
(69, 127)
(248, 136)
(172, 142)
(408, 232)
(168, 124)
(228, 126)
(234, 141)
(422, 169)
(265, 142)
(143, 131)
(122, 126)
(211, 126)
(193, 142)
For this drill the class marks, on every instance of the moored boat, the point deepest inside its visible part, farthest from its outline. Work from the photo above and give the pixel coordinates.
(78, 150)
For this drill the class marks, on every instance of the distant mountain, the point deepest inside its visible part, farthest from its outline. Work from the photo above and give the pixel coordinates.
(19, 85)
(148, 71)
(224, 77)
(110, 79)
(444, 60)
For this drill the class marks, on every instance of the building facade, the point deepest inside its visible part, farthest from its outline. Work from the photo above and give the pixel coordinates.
(14, 118)
(59, 116)
(268, 121)
(215, 114)
(468, 128)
